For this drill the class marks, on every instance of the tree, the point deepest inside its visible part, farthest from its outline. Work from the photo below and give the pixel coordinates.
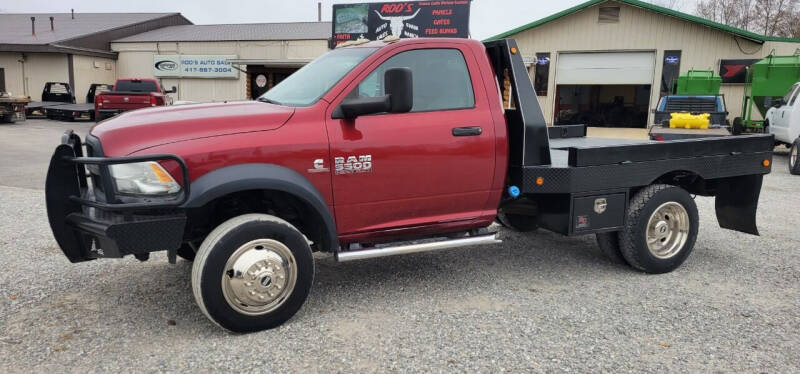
(768, 17)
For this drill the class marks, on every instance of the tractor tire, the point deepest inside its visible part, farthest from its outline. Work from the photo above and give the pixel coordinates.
(794, 158)
(252, 273)
(738, 126)
(518, 222)
(660, 230)
(609, 246)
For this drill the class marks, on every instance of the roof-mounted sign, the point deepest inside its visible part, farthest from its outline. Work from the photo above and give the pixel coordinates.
(406, 19)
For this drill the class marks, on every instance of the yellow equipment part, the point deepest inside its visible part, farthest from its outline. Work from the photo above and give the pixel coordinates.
(690, 121)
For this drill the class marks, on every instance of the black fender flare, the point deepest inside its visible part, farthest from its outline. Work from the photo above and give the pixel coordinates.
(246, 177)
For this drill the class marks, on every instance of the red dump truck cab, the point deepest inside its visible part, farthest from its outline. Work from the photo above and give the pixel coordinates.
(373, 150)
(130, 94)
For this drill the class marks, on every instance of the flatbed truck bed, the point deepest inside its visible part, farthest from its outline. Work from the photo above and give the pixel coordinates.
(71, 112)
(38, 109)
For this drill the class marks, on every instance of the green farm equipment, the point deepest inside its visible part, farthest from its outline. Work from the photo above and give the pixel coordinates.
(767, 80)
(699, 82)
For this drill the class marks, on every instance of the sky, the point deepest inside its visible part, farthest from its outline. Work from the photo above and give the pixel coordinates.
(488, 17)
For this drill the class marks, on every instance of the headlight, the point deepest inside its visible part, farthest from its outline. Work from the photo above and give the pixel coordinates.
(144, 178)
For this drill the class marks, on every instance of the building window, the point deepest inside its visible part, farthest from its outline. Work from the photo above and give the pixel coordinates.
(609, 14)
(541, 78)
(670, 72)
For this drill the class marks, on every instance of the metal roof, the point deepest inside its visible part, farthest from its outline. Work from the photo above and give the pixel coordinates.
(654, 8)
(235, 32)
(15, 28)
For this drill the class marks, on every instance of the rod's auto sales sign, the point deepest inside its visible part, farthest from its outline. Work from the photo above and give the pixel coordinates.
(194, 66)
(406, 19)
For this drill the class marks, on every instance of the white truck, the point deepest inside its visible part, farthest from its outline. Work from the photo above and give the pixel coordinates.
(783, 121)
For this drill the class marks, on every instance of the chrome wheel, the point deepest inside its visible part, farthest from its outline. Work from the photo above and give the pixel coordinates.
(667, 230)
(259, 277)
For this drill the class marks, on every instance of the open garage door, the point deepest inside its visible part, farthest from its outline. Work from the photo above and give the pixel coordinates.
(608, 89)
(632, 68)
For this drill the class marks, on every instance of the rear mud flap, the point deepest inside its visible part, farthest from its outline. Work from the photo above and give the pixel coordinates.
(737, 203)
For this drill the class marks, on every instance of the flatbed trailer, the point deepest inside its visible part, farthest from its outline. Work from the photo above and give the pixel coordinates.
(12, 108)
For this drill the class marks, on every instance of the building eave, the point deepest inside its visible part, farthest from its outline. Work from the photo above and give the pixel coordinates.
(56, 48)
(757, 38)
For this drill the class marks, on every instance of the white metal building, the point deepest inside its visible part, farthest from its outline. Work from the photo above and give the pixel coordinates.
(608, 62)
(193, 57)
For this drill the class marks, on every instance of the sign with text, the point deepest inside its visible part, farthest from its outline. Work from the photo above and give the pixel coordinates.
(403, 19)
(194, 66)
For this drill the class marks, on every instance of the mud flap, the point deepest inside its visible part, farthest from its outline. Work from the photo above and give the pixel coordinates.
(737, 203)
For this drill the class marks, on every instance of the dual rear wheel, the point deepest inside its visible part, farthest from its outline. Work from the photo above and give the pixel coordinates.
(660, 231)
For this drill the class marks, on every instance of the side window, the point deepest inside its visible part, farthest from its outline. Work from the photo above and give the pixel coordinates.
(441, 79)
(794, 98)
(789, 95)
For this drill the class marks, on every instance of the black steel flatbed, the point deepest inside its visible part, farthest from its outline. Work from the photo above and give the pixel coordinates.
(71, 112)
(557, 174)
(36, 109)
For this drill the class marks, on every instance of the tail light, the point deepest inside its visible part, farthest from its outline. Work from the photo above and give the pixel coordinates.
(153, 101)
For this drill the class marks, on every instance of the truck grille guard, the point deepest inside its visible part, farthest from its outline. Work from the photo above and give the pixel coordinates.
(91, 221)
(73, 142)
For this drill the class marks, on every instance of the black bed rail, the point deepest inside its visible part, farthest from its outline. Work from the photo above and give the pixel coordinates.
(654, 151)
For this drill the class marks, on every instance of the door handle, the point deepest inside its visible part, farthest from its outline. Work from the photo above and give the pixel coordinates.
(467, 131)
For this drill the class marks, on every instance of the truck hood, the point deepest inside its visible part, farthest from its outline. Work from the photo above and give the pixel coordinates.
(145, 128)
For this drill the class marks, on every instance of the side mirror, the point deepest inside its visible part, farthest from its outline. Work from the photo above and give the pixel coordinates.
(399, 98)
(779, 103)
(172, 90)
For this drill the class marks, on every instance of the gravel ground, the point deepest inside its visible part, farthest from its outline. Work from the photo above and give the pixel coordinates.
(538, 302)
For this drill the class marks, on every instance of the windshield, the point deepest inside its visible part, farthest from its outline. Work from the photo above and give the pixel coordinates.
(136, 86)
(308, 84)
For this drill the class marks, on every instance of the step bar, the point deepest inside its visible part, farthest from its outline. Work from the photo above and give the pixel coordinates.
(417, 248)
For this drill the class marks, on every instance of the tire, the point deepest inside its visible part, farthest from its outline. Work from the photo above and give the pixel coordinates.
(609, 246)
(517, 222)
(674, 234)
(269, 246)
(186, 252)
(738, 126)
(794, 158)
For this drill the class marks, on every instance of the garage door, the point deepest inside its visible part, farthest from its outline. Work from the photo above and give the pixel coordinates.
(605, 68)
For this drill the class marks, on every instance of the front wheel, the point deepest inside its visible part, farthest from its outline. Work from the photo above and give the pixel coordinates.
(252, 273)
(794, 158)
(661, 229)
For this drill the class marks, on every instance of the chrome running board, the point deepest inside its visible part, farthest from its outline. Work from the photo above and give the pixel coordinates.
(416, 248)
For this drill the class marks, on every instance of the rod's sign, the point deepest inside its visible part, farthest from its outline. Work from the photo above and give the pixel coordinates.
(194, 66)
(406, 19)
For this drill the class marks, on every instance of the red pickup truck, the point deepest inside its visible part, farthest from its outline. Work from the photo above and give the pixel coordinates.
(129, 94)
(373, 150)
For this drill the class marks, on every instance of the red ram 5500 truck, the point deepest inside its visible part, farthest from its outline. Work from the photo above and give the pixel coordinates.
(130, 94)
(364, 152)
